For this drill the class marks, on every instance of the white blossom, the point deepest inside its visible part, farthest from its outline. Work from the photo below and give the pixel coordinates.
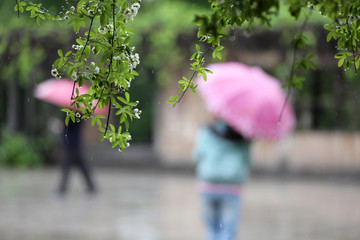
(137, 113)
(101, 30)
(55, 73)
(97, 70)
(131, 11)
(135, 6)
(135, 60)
(109, 27)
(90, 12)
(77, 47)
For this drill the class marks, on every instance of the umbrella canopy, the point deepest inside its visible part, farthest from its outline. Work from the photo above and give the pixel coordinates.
(59, 91)
(248, 99)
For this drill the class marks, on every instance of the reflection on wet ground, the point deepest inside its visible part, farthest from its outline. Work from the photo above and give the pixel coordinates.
(160, 205)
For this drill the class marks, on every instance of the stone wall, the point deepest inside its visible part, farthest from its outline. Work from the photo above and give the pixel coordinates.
(310, 152)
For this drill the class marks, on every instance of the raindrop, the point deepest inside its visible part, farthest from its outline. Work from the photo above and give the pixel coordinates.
(152, 71)
(232, 38)
(28, 99)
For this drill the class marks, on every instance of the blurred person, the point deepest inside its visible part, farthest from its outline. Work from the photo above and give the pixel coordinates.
(223, 161)
(72, 141)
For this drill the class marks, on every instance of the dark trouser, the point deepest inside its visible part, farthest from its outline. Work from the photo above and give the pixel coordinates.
(74, 158)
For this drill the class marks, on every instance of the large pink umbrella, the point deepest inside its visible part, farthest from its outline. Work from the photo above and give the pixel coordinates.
(59, 91)
(248, 99)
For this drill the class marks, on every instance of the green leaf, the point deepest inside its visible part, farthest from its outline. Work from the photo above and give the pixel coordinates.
(98, 122)
(122, 100)
(67, 120)
(80, 41)
(127, 96)
(197, 48)
(218, 55)
(219, 48)
(329, 36)
(81, 4)
(65, 110)
(341, 62)
(38, 21)
(112, 127)
(204, 77)
(60, 52)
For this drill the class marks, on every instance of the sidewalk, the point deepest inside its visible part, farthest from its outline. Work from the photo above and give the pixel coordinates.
(161, 205)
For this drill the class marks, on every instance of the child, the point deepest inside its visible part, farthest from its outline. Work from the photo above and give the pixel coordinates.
(223, 165)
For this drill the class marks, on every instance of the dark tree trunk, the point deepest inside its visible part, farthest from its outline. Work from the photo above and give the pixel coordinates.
(12, 106)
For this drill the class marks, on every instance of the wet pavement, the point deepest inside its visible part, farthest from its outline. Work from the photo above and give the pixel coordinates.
(163, 205)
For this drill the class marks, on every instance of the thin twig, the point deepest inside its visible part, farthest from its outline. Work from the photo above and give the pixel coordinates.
(83, 50)
(193, 75)
(110, 65)
(292, 71)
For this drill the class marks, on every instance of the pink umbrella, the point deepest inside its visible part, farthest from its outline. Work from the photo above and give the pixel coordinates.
(59, 91)
(248, 99)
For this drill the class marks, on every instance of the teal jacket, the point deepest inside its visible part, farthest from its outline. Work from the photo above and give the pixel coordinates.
(220, 160)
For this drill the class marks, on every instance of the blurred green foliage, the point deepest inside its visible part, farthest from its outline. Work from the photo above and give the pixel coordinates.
(18, 150)
(158, 27)
(23, 45)
(26, 55)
